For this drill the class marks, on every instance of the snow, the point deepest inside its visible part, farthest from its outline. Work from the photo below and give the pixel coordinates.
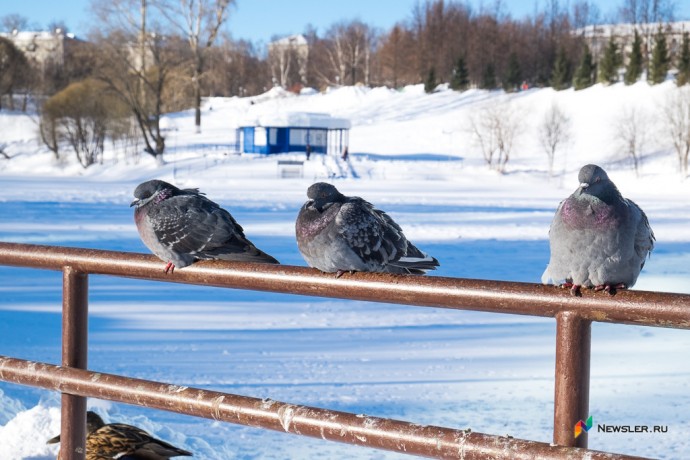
(296, 119)
(411, 154)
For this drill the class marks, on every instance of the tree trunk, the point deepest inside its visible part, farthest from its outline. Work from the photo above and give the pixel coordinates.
(197, 94)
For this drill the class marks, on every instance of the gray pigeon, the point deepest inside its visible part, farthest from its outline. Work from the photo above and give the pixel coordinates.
(336, 233)
(598, 238)
(182, 226)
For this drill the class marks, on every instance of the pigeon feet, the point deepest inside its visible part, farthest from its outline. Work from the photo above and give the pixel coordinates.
(170, 267)
(610, 288)
(574, 289)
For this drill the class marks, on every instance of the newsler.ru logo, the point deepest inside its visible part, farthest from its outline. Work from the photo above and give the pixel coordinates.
(582, 426)
(632, 428)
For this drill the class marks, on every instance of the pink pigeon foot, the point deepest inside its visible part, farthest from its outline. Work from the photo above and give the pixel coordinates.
(574, 288)
(610, 288)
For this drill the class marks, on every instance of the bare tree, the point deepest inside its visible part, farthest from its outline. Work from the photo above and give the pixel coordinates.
(200, 22)
(14, 69)
(676, 110)
(396, 61)
(554, 131)
(13, 22)
(4, 154)
(584, 13)
(631, 130)
(82, 115)
(287, 58)
(647, 12)
(48, 132)
(335, 50)
(235, 68)
(136, 61)
(495, 129)
(348, 52)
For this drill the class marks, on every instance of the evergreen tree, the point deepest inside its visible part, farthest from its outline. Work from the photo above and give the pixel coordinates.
(608, 67)
(461, 79)
(634, 67)
(430, 83)
(513, 76)
(661, 62)
(489, 77)
(560, 77)
(584, 74)
(683, 77)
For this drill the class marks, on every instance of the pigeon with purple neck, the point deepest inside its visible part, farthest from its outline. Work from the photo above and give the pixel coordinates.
(182, 226)
(337, 233)
(598, 238)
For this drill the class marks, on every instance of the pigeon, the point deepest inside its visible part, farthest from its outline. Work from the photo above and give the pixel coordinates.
(337, 233)
(120, 441)
(598, 238)
(182, 226)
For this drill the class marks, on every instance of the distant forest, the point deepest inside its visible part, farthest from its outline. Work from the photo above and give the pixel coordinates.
(440, 41)
(145, 58)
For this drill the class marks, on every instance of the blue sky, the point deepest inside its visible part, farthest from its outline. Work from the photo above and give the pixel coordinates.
(261, 19)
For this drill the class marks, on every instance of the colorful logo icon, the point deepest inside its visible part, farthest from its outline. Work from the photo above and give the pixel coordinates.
(580, 426)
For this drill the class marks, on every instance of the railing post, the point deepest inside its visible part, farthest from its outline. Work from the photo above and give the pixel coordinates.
(75, 292)
(571, 398)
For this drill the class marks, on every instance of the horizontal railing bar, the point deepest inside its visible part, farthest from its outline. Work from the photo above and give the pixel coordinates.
(627, 307)
(362, 430)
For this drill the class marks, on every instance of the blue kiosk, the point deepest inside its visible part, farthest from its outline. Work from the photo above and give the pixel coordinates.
(292, 132)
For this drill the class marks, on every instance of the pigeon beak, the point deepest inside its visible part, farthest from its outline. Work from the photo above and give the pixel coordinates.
(584, 185)
(134, 203)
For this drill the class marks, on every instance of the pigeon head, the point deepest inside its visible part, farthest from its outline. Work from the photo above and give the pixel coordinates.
(323, 195)
(594, 181)
(152, 191)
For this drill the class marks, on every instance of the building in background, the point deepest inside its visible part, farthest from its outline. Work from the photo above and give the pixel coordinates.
(293, 132)
(43, 48)
(597, 37)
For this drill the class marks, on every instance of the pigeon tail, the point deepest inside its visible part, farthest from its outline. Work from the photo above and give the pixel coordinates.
(416, 266)
(253, 254)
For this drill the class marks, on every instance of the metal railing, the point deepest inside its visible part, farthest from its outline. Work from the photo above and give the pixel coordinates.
(573, 315)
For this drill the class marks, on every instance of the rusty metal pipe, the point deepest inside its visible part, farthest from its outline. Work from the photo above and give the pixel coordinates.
(75, 289)
(627, 307)
(571, 393)
(362, 430)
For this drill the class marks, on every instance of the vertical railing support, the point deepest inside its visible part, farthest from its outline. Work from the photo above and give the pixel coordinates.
(571, 398)
(75, 292)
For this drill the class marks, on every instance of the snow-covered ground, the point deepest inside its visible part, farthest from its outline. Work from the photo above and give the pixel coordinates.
(412, 155)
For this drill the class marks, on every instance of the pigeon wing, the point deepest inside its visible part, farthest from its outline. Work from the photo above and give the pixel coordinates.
(370, 233)
(644, 236)
(197, 226)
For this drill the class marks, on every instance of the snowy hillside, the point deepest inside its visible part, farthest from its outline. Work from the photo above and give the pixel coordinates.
(413, 155)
